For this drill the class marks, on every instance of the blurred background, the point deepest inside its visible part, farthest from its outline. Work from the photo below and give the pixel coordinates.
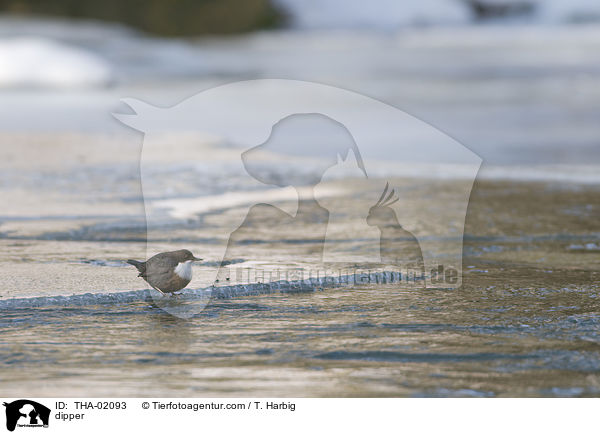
(514, 80)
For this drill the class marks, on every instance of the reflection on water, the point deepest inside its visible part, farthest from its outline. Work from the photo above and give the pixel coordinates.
(368, 341)
(525, 322)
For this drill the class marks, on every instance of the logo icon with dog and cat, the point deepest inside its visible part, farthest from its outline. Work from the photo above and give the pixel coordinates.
(308, 170)
(25, 413)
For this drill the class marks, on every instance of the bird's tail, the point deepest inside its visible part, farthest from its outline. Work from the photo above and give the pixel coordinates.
(141, 266)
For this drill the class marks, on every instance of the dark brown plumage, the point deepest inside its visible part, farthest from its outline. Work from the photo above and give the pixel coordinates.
(167, 272)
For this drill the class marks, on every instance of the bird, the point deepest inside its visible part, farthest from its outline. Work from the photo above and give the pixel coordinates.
(396, 245)
(167, 272)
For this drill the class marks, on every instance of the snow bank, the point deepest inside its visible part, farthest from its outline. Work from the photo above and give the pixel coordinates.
(39, 62)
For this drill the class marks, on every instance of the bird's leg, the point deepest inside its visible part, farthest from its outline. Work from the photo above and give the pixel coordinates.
(158, 290)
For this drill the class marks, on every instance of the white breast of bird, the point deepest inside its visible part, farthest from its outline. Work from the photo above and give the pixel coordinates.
(184, 270)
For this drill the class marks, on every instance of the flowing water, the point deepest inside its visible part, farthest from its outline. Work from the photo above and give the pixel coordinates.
(76, 321)
(525, 322)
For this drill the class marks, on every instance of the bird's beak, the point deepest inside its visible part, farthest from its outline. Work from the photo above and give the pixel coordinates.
(196, 259)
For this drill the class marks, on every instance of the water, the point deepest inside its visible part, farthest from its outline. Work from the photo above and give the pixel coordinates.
(371, 341)
(76, 321)
(524, 323)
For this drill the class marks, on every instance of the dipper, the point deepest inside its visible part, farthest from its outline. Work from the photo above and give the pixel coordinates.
(167, 272)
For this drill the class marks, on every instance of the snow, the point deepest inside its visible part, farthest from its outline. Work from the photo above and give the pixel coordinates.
(39, 62)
